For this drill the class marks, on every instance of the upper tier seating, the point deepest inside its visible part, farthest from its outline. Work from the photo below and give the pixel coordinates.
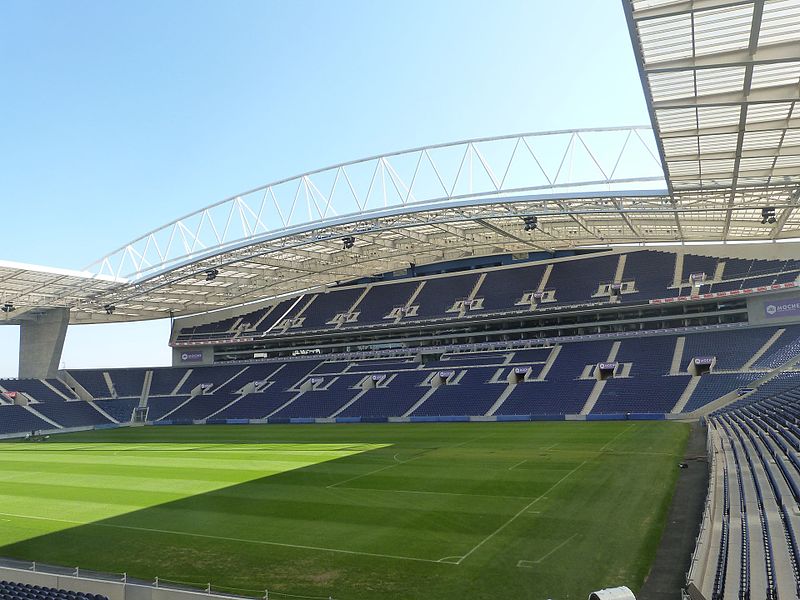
(439, 294)
(326, 306)
(652, 273)
(380, 300)
(503, 288)
(575, 281)
(572, 282)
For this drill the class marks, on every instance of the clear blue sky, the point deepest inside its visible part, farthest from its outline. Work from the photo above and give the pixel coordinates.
(120, 116)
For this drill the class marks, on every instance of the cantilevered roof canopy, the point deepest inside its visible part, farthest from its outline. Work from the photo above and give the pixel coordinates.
(722, 82)
(722, 79)
(28, 289)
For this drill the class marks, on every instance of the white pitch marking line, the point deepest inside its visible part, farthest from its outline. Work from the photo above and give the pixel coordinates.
(550, 447)
(402, 462)
(561, 545)
(362, 489)
(225, 538)
(614, 439)
(522, 510)
(518, 464)
(338, 483)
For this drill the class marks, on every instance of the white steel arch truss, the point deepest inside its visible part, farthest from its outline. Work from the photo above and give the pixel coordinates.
(575, 161)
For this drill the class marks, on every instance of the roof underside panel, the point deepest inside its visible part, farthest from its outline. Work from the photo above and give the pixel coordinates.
(722, 78)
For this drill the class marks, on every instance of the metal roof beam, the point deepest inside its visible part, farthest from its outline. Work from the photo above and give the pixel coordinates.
(675, 9)
(764, 95)
(513, 235)
(731, 154)
(772, 125)
(772, 54)
(783, 218)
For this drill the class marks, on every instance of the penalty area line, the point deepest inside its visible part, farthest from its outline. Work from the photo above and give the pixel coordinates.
(225, 538)
(556, 549)
(521, 511)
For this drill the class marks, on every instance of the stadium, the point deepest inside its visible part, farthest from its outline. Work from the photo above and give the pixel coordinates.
(541, 365)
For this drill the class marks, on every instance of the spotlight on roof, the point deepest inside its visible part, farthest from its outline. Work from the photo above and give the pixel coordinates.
(109, 308)
(768, 215)
(7, 307)
(211, 274)
(348, 242)
(531, 223)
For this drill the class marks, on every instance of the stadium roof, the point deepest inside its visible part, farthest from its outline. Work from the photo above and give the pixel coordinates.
(722, 81)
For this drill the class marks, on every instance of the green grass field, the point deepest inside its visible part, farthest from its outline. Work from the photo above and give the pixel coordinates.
(445, 511)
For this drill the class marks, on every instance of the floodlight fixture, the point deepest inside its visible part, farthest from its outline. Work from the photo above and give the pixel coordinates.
(531, 223)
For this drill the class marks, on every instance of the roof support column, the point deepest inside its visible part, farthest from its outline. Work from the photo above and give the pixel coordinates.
(41, 342)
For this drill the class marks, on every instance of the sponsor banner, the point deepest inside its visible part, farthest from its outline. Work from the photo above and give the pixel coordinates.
(522, 370)
(379, 377)
(703, 360)
(191, 356)
(446, 374)
(763, 288)
(788, 307)
(315, 380)
(607, 366)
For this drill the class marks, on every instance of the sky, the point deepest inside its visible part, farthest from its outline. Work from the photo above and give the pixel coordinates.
(118, 117)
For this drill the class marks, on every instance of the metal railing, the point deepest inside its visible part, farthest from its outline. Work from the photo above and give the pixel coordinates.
(196, 587)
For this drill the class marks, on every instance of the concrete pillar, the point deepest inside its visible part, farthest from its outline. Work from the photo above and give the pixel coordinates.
(41, 341)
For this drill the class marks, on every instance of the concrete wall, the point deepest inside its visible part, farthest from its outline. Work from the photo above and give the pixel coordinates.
(40, 343)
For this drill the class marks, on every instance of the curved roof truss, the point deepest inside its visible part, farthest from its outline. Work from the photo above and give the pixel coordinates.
(620, 159)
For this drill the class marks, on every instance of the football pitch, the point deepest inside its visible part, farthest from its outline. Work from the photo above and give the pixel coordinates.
(412, 511)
